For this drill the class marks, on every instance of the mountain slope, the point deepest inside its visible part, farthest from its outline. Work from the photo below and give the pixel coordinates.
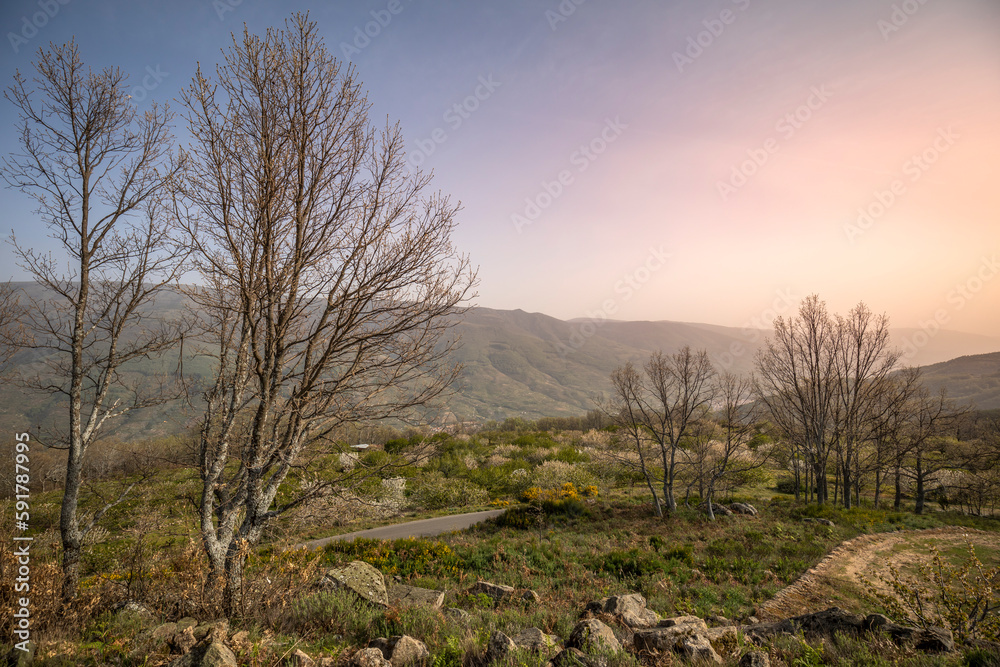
(971, 379)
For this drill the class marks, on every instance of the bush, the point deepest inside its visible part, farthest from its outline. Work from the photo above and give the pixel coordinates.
(787, 485)
(432, 491)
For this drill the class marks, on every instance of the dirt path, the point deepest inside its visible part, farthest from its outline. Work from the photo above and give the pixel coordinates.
(834, 580)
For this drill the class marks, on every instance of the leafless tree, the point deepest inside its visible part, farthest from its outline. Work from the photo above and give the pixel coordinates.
(735, 452)
(863, 361)
(12, 336)
(330, 284)
(96, 168)
(660, 406)
(797, 381)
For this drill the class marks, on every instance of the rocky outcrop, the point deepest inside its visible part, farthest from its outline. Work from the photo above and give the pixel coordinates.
(496, 592)
(362, 579)
(743, 508)
(498, 647)
(369, 657)
(401, 650)
(629, 609)
(401, 595)
(536, 641)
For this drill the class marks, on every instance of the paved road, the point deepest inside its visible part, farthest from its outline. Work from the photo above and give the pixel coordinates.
(421, 528)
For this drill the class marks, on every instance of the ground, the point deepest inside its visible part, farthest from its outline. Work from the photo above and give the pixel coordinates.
(834, 580)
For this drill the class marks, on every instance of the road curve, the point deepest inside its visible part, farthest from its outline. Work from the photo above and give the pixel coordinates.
(421, 528)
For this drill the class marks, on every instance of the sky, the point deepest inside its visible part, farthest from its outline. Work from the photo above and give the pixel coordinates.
(691, 160)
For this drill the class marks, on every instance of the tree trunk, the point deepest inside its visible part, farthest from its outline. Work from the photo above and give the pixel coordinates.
(878, 485)
(919, 509)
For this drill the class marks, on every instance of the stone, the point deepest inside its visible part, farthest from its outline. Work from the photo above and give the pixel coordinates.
(369, 657)
(137, 609)
(218, 655)
(664, 640)
(185, 623)
(698, 649)
(18, 658)
(240, 640)
(301, 659)
(693, 622)
(743, 508)
(826, 522)
(530, 597)
(362, 579)
(755, 659)
(401, 650)
(629, 609)
(592, 634)
(574, 657)
(184, 641)
(496, 592)
(934, 640)
(498, 647)
(401, 595)
(717, 510)
(720, 632)
(536, 641)
(718, 620)
(213, 630)
(164, 632)
(824, 623)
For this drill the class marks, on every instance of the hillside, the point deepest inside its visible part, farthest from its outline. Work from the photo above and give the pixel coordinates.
(974, 379)
(519, 364)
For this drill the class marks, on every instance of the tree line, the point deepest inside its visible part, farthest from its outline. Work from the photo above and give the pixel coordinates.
(831, 392)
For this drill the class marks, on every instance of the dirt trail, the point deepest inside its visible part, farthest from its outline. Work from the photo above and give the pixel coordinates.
(833, 581)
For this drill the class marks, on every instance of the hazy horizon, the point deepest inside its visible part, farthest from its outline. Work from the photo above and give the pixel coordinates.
(683, 161)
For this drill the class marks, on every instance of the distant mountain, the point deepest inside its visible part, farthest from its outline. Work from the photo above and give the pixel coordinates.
(973, 379)
(529, 365)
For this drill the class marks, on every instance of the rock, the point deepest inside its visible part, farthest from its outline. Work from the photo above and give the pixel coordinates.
(364, 580)
(213, 630)
(574, 657)
(240, 640)
(536, 641)
(718, 621)
(498, 647)
(693, 623)
(218, 655)
(136, 609)
(826, 522)
(496, 592)
(719, 633)
(591, 634)
(718, 510)
(184, 641)
(401, 595)
(18, 658)
(401, 650)
(934, 640)
(186, 660)
(531, 597)
(819, 624)
(629, 609)
(164, 632)
(300, 659)
(666, 639)
(185, 623)
(699, 649)
(743, 508)
(755, 659)
(459, 615)
(369, 657)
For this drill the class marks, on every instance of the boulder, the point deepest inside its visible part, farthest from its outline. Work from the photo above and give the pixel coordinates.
(755, 659)
(574, 657)
(164, 632)
(530, 597)
(699, 650)
(301, 659)
(369, 657)
(218, 655)
(212, 630)
(933, 639)
(498, 647)
(592, 634)
(136, 609)
(185, 623)
(183, 641)
(459, 615)
(628, 609)
(496, 592)
(743, 508)
(362, 579)
(819, 624)
(717, 510)
(666, 639)
(693, 623)
(536, 641)
(401, 650)
(401, 595)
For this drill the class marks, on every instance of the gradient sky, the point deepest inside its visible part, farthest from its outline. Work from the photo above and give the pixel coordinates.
(714, 155)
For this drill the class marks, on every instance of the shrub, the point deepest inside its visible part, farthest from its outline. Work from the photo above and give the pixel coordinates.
(433, 491)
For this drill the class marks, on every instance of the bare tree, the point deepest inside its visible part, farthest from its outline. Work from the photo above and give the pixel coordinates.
(330, 281)
(12, 336)
(863, 361)
(94, 165)
(661, 406)
(797, 381)
(735, 452)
